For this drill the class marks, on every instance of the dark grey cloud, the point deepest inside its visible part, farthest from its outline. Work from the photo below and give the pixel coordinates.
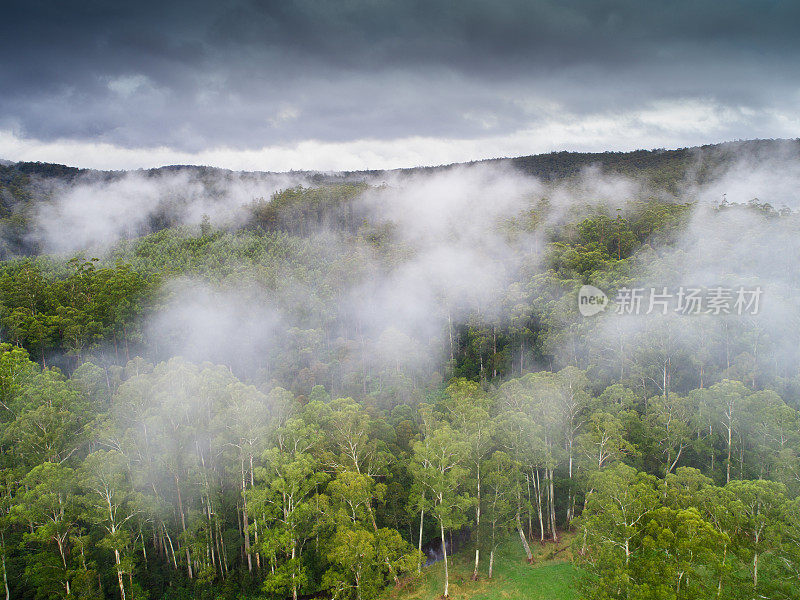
(255, 73)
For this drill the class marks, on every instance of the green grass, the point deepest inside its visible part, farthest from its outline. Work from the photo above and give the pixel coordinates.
(548, 578)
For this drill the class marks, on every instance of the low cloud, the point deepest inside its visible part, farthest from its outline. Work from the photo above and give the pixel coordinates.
(97, 210)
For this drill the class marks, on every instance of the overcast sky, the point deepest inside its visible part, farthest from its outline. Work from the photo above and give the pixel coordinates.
(328, 84)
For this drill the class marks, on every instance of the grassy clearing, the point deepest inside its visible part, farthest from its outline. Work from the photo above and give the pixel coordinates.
(550, 577)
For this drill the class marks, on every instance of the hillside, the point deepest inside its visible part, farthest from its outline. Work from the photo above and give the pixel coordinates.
(230, 386)
(548, 166)
(27, 187)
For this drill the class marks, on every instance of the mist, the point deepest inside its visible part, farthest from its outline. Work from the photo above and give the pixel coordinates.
(465, 243)
(463, 235)
(741, 233)
(514, 280)
(97, 210)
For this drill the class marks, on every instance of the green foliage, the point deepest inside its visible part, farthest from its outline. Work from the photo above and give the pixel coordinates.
(692, 540)
(669, 455)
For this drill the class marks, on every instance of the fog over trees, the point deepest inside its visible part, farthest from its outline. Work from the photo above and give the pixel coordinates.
(308, 385)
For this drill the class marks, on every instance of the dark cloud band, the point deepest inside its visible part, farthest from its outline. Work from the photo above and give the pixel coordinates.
(195, 75)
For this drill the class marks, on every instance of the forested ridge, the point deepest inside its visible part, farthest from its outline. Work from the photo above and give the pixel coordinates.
(312, 399)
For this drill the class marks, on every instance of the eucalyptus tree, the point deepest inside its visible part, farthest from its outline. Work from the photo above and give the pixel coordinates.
(670, 420)
(686, 558)
(438, 465)
(616, 510)
(16, 370)
(354, 447)
(553, 405)
(420, 500)
(361, 557)
(283, 500)
(48, 505)
(467, 408)
(242, 424)
(521, 434)
(501, 473)
(612, 525)
(8, 486)
(109, 497)
(601, 445)
(771, 428)
(572, 400)
(173, 420)
(790, 550)
(51, 416)
(758, 511)
(726, 401)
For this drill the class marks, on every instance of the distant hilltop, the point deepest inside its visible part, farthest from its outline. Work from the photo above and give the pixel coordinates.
(549, 166)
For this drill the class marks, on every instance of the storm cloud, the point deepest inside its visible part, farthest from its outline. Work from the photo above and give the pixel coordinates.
(281, 84)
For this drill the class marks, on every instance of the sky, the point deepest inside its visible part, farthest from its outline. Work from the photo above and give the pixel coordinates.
(277, 85)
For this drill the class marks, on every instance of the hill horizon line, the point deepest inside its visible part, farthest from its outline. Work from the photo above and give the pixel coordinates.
(588, 158)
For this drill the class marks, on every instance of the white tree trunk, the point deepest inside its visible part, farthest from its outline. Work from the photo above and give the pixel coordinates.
(419, 545)
(444, 555)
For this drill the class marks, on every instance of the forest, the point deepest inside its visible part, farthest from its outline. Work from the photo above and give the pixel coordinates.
(224, 386)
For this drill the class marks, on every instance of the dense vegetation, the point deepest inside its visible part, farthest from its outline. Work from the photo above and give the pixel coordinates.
(318, 448)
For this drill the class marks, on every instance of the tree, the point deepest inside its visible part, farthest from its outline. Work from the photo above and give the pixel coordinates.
(244, 426)
(8, 486)
(357, 552)
(726, 401)
(603, 442)
(521, 427)
(283, 500)
(48, 506)
(613, 525)
(467, 408)
(109, 496)
(758, 511)
(501, 473)
(438, 465)
(670, 419)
